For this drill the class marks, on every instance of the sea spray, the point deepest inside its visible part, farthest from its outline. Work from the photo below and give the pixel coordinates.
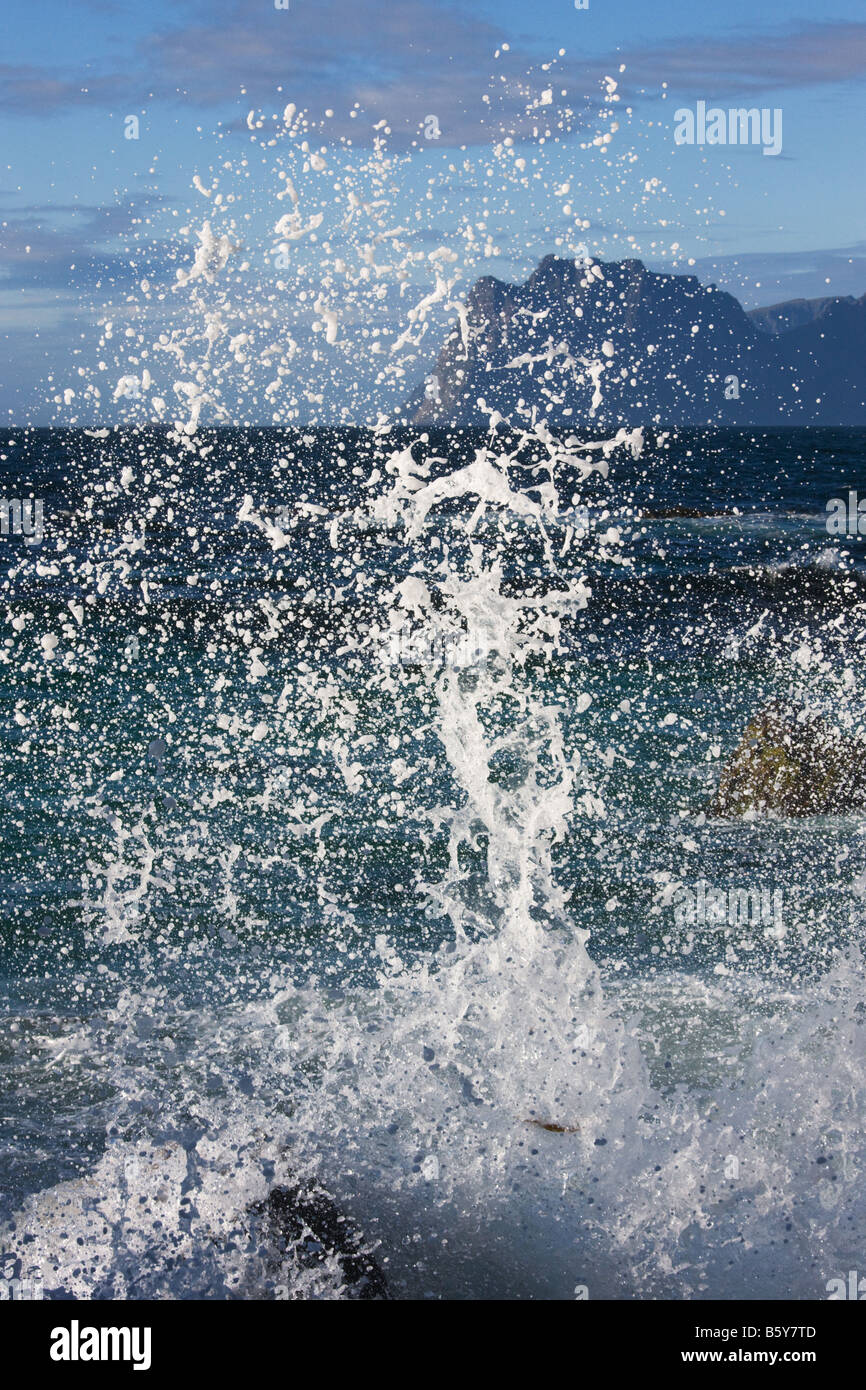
(334, 927)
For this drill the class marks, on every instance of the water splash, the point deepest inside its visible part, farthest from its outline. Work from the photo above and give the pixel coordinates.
(326, 932)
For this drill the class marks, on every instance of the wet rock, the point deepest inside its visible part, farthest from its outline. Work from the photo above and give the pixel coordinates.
(304, 1224)
(792, 763)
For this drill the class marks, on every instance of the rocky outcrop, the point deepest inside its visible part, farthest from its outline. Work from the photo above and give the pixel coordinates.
(792, 763)
(600, 344)
(303, 1225)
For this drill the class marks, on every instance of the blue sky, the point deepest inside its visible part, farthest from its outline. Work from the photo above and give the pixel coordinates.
(85, 213)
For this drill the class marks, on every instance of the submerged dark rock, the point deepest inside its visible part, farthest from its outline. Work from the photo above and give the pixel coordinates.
(305, 1225)
(792, 763)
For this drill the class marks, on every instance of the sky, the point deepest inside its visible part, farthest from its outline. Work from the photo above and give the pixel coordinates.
(86, 213)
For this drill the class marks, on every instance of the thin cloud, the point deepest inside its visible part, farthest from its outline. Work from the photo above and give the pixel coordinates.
(809, 55)
(69, 248)
(760, 278)
(398, 62)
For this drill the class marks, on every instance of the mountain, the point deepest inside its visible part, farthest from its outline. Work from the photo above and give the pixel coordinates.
(591, 343)
(792, 313)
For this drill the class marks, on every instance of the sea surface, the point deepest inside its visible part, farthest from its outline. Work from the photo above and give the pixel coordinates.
(350, 783)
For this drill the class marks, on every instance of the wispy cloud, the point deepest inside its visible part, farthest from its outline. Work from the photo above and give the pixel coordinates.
(73, 247)
(35, 91)
(335, 52)
(401, 62)
(805, 55)
(396, 62)
(767, 277)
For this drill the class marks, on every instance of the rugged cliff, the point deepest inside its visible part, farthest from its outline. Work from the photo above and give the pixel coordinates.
(588, 343)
